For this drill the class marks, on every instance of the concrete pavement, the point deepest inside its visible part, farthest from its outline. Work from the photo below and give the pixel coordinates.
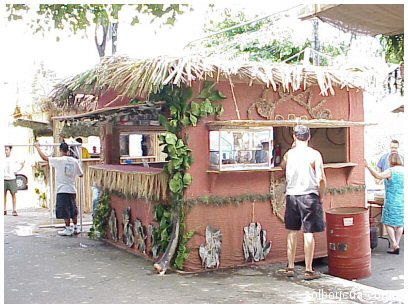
(42, 267)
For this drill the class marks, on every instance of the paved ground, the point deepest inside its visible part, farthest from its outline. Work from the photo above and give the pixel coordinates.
(42, 267)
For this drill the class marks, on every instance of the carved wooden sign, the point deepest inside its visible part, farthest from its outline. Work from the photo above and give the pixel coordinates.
(266, 105)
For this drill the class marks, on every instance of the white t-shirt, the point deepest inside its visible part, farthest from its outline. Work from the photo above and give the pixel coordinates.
(11, 166)
(66, 170)
(302, 176)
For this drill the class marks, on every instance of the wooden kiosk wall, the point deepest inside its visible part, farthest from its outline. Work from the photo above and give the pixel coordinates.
(231, 219)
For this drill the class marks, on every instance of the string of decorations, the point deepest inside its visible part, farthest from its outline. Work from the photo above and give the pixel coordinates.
(237, 200)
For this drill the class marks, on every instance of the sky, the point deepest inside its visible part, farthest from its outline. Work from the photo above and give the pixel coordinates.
(74, 54)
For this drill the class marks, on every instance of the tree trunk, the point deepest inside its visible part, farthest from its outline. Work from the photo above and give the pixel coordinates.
(114, 37)
(164, 262)
(102, 46)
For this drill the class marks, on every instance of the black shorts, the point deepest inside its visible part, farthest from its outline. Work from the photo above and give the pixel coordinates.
(306, 212)
(66, 206)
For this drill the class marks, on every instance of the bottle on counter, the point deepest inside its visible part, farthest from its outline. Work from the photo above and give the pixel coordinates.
(278, 155)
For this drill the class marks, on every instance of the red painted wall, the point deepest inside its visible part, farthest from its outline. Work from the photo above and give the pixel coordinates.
(141, 209)
(231, 219)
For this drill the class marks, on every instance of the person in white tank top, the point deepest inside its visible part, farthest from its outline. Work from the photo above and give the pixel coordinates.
(305, 186)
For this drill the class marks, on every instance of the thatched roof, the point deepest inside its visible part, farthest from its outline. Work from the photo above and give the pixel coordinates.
(140, 78)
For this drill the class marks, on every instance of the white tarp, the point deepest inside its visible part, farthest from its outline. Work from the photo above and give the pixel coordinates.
(370, 19)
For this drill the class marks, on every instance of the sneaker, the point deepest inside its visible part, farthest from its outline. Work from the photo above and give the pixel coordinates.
(65, 232)
(76, 231)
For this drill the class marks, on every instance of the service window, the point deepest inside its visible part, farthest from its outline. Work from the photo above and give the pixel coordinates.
(140, 147)
(330, 142)
(241, 149)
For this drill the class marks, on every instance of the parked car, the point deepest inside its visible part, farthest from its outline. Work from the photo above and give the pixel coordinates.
(22, 181)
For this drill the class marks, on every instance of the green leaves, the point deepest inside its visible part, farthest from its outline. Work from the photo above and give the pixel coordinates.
(161, 234)
(75, 17)
(170, 138)
(176, 183)
(183, 113)
(209, 92)
(101, 217)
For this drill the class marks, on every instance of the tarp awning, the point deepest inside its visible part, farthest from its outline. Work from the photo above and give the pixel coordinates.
(370, 19)
(39, 128)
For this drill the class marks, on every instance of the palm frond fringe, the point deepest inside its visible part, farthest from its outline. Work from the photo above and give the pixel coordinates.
(140, 78)
(149, 185)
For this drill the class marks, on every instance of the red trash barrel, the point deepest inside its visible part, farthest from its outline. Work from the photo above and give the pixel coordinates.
(348, 242)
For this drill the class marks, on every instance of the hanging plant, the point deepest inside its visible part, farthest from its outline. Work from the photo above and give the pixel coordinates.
(183, 113)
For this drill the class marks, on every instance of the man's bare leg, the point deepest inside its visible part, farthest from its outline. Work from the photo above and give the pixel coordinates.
(291, 247)
(309, 246)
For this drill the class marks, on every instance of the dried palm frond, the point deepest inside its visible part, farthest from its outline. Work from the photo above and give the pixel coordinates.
(140, 78)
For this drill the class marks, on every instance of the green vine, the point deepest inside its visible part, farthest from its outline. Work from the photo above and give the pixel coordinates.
(345, 189)
(221, 201)
(183, 113)
(101, 217)
(161, 234)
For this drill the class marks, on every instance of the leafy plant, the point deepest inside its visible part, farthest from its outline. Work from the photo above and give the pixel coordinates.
(161, 235)
(183, 113)
(101, 217)
(394, 48)
(183, 252)
(42, 197)
(77, 17)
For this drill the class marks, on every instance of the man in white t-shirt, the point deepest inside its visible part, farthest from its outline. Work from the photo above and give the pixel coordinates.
(305, 186)
(11, 167)
(67, 169)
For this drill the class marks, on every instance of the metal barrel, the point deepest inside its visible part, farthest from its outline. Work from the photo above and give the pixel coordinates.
(348, 242)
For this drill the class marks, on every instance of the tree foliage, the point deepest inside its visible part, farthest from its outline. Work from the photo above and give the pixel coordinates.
(394, 48)
(262, 40)
(77, 17)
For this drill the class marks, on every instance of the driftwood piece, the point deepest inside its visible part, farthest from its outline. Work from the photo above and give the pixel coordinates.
(278, 200)
(255, 245)
(113, 226)
(163, 264)
(153, 244)
(140, 235)
(211, 251)
(127, 236)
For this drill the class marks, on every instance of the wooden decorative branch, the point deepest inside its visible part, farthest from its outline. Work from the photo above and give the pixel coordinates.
(127, 236)
(211, 251)
(113, 225)
(140, 235)
(255, 245)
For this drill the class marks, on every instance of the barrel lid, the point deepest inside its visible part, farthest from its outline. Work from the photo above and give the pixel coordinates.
(347, 210)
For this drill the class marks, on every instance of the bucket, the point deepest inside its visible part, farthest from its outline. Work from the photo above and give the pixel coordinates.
(348, 242)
